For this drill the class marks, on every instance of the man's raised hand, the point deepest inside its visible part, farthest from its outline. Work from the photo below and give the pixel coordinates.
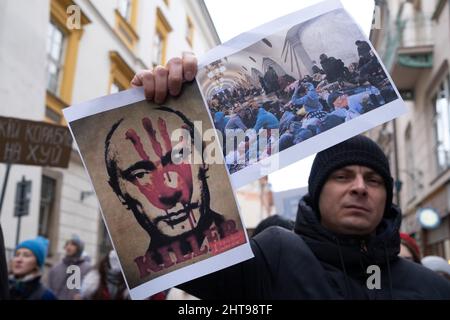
(161, 80)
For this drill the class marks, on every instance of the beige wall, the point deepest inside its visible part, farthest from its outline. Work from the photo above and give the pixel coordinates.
(434, 189)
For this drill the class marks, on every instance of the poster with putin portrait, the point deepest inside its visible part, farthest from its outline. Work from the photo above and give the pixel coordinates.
(163, 188)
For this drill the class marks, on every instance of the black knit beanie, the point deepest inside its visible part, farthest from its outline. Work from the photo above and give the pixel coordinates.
(358, 150)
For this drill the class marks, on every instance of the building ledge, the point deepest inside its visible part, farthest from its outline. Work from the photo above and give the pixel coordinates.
(409, 65)
(416, 60)
(439, 8)
(126, 31)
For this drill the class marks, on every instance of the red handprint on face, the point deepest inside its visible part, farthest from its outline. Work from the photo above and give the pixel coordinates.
(162, 182)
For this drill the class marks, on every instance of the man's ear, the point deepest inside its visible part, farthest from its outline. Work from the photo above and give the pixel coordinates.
(116, 189)
(202, 172)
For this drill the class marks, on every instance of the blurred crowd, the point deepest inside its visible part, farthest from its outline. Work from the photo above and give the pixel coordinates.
(73, 278)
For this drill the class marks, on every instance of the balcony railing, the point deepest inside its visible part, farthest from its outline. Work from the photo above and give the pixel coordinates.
(407, 33)
(442, 157)
(417, 32)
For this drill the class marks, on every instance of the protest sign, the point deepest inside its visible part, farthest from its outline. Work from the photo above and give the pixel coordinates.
(168, 207)
(34, 143)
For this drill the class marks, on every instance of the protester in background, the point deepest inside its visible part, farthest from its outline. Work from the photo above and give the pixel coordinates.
(57, 278)
(25, 279)
(333, 68)
(364, 52)
(105, 282)
(266, 120)
(271, 81)
(438, 265)
(306, 95)
(408, 248)
(235, 121)
(4, 288)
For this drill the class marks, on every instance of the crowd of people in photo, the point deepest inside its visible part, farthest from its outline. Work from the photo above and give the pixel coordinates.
(299, 108)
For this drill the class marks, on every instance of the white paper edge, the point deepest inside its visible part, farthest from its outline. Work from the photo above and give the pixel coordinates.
(196, 270)
(102, 104)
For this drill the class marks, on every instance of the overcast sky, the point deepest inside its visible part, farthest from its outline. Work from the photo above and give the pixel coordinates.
(233, 17)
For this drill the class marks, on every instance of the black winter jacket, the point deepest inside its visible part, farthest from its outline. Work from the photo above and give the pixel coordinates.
(4, 287)
(313, 263)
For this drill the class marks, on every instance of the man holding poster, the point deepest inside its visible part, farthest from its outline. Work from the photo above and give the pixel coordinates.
(346, 238)
(345, 243)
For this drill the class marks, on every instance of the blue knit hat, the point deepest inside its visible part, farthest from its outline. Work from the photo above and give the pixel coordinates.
(38, 246)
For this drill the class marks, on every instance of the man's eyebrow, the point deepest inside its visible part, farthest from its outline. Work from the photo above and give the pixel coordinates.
(372, 173)
(369, 172)
(343, 170)
(144, 164)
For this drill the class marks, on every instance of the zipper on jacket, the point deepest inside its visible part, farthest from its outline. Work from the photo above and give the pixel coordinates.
(363, 246)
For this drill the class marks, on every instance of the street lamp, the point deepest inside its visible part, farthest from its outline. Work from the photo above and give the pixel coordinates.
(428, 218)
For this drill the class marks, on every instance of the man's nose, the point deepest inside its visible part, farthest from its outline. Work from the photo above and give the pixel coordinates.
(359, 186)
(170, 192)
(170, 200)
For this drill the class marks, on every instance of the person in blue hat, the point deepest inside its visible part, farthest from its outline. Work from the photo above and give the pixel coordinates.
(26, 266)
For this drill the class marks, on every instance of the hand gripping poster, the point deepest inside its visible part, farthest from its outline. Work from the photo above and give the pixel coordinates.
(164, 191)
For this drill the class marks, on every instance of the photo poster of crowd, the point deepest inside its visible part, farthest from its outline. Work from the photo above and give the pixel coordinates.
(278, 97)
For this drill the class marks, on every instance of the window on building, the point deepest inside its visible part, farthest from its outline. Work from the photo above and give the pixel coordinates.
(48, 191)
(410, 169)
(158, 44)
(160, 38)
(125, 9)
(441, 103)
(62, 52)
(121, 73)
(55, 49)
(189, 31)
(52, 116)
(104, 244)
(438, 240)
(115, 87)
(126, 22)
